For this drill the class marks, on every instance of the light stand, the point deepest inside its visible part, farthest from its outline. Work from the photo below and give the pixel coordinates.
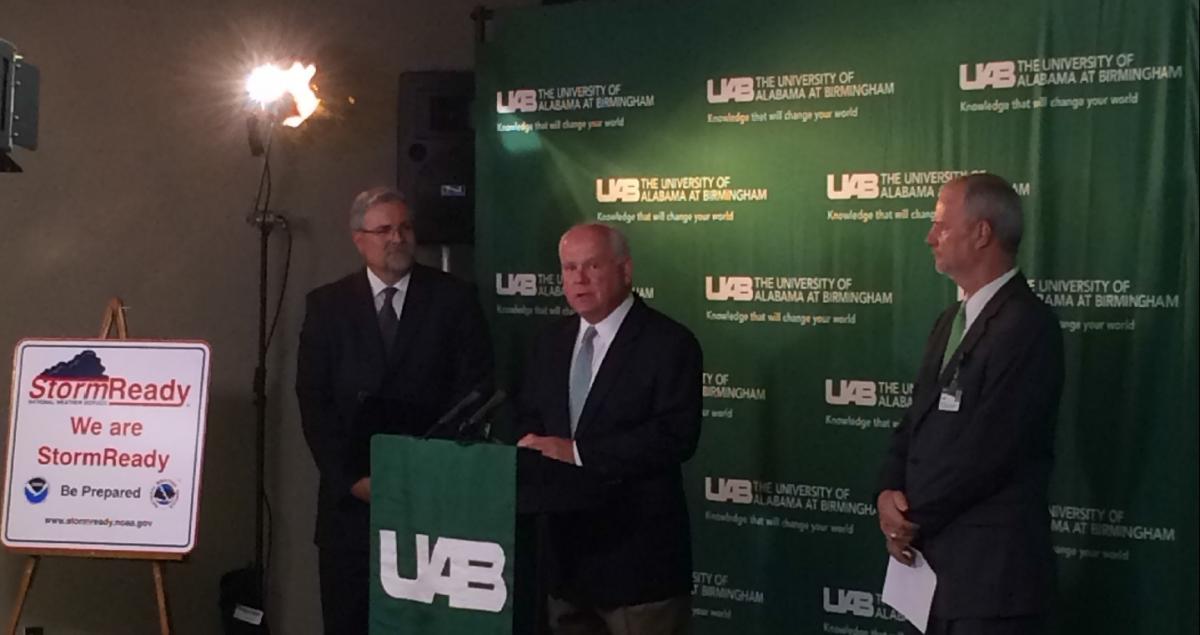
(265, 221)
(284, 97)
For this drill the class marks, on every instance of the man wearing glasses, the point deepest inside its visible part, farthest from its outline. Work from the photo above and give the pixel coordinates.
(388, 348)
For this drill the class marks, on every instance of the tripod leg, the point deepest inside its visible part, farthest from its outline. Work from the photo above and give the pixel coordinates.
(160, 592)
(31, 564)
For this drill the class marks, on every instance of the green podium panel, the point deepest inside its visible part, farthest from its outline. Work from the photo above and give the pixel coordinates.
(442, 537)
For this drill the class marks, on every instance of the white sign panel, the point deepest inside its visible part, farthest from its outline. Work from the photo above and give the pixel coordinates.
(105, 445)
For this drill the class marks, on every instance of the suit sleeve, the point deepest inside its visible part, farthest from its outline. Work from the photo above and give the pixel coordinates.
(528, 413)
(471, 347)
(319, 417)
(1011, 425)
(671, 430)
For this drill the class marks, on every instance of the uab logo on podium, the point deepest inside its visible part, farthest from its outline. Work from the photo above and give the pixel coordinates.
(443, 519)
(468, 572)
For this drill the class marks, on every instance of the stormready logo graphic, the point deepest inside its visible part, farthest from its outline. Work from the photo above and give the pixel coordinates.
(736, 288)
(728, 490)
(83, 380)
(36, 490)
(511, 284)
(469, 573)
(855, 392)
(514, 101)
(727, 89)
(1002, 74)
(857, 185)
(618, 190)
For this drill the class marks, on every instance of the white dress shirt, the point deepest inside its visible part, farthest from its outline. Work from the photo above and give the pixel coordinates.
(978, 300)
(377, 287)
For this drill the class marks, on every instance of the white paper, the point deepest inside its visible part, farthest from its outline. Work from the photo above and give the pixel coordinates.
(909, 590)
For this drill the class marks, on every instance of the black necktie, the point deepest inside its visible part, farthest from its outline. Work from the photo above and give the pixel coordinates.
(389, 323)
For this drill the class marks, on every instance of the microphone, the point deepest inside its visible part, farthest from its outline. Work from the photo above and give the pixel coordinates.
(453, 412)
(496, 399)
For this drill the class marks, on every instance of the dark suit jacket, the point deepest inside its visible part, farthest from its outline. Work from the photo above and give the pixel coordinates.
(641, 421)
(977, 479)
(348, 390)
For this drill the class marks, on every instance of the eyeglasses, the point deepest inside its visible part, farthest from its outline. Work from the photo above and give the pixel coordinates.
(384, 231)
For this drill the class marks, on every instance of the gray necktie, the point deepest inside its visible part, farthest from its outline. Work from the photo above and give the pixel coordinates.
(389, 322)
(581, 377)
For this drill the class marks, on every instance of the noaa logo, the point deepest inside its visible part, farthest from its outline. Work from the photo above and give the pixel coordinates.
(165, 494)
(36, 490)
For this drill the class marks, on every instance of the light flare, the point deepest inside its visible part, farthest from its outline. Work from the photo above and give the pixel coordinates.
(268, 83)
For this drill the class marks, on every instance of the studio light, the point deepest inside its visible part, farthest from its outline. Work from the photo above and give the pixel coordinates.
(286, 93)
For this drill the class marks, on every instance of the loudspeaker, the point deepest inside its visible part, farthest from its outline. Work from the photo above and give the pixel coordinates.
(436, 159)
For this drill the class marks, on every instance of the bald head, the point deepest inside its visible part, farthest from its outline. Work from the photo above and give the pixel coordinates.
(597, 270)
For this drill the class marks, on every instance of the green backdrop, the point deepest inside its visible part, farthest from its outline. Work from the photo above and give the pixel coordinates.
(775, 166)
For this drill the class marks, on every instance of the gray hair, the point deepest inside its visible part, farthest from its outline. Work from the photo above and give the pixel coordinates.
(616, 240)
(990, 198)
(368, 199)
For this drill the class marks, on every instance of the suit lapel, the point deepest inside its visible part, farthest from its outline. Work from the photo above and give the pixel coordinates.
(930, 366)
(560, 370)
(619, 352)
(934, 379)
(980, 326)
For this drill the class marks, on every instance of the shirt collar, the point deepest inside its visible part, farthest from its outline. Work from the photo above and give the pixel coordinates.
(606, 329)
(377, 285)
(976, 302)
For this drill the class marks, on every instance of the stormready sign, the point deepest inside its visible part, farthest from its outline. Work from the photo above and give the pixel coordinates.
(105, 445)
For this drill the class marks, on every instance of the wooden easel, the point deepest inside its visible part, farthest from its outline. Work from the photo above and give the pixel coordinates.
(114, 318)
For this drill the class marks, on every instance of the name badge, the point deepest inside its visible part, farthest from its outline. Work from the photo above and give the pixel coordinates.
(951, 399)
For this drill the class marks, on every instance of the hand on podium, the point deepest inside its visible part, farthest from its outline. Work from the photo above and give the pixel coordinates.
(362, 489)
(555, 448)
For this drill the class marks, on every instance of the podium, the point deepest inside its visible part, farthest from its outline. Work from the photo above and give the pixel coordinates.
(454, 534)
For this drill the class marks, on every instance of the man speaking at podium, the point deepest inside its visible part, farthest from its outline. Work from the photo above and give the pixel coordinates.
(388, 348)
(617, 392)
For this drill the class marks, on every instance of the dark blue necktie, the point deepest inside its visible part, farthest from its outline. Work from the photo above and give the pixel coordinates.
(389, 322)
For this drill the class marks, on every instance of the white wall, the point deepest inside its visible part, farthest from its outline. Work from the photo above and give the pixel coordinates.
(139, 190)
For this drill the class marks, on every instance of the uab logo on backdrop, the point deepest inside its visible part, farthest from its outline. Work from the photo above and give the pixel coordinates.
(728, 490)
(858, 604)
(1001, 74)
(530, 285)
(736, 288)
(522, 284)
(848, 602)
(469, 573)
(841, 187)
(621, 190)
(869, 393)
(513, 101)
(727, 89)
(850, 392)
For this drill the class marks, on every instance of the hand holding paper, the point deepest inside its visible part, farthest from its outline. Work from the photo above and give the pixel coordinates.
(909, 589)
